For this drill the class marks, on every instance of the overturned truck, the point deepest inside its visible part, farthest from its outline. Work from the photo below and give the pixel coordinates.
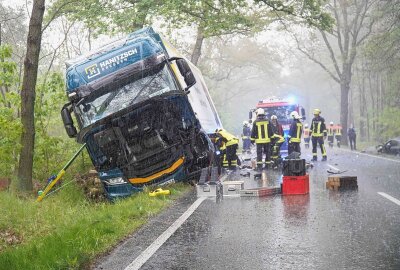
(143, 111)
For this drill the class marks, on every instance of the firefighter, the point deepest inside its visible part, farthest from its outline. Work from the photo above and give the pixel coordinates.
(295, 132)
(306, 136)
(228, 145)
(261, 134)
(338, 134)
(318, 134)
(331, 133)
(246, 136)
(277, 140)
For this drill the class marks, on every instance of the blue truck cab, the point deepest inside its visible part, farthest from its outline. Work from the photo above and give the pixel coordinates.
(143, 111)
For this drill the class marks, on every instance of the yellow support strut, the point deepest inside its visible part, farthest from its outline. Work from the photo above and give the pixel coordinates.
(54, 181)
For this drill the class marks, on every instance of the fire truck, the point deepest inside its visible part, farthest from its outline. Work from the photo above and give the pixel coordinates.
(281, 107)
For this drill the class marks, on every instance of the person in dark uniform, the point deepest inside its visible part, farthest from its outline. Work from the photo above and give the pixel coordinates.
(277, 139)
(261, 134)
(318, 134)
(295, 132)
(351, 132)
(246, 136)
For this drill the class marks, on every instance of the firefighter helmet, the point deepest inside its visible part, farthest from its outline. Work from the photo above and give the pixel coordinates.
(274, 117)
(306, 125)
(331, 123)
(260, 111)
(317, 111)
(295, 115)
(245, 123)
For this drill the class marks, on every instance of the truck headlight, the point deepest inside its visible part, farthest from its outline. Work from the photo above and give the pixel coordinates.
(115, 181)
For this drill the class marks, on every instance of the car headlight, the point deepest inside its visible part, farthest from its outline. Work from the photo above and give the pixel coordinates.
(115, 181)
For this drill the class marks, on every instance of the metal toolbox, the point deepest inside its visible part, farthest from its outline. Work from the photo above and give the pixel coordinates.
(209, 189)
(260, 192)
(232, 188)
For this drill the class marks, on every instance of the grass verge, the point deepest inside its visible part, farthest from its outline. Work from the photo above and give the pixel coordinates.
(66, 231)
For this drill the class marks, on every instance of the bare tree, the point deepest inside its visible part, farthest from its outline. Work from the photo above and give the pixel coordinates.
(353, 24)
(28, 93)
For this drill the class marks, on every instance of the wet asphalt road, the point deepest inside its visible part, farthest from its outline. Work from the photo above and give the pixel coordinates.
(322, 230)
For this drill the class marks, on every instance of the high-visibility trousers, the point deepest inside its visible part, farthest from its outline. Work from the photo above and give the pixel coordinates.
(315, 142)
(263, 148)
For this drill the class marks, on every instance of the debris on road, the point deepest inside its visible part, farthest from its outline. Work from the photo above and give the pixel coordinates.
(260, 192)
(342, 183)
(335, 172)
(257, 176)
(245, 173)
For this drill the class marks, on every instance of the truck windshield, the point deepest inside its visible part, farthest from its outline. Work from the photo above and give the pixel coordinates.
(282, 112)
(95, 108)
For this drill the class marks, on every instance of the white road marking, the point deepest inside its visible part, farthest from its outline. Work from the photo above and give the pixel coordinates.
(390, 198)
(333, 167)
(369, 155)
(148, 252)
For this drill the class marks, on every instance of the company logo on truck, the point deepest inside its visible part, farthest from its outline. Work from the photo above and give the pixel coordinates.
(96, 69)
(113, 61)
(92, 71)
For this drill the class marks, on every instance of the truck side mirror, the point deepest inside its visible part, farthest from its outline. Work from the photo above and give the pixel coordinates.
(186, 72)
(303, 113)
(68, 122)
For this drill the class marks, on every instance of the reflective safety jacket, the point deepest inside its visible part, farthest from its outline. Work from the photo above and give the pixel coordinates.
(318, 128)
(338, 131)
(331, 131)
(261, 131)
(295, 131)
(278, 133)
(306, 133)
(225, 139)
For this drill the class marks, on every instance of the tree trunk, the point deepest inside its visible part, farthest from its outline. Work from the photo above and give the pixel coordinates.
(31, 63)
(197, 46)
(344, 108)
(90, 38)
(363, 108)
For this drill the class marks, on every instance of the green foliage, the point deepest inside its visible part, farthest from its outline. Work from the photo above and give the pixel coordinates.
(52, 147)
(308, 12)
(8, 68)
(389, 123)
(10, 126)
(65, 231)
(103, 16)
(215, 18)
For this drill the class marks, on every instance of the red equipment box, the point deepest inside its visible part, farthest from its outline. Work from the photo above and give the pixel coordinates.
(295, 185)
